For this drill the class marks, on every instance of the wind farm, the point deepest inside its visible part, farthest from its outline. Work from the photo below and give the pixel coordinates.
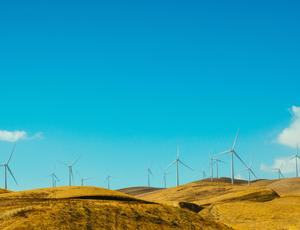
(196, 199)
(149, 115)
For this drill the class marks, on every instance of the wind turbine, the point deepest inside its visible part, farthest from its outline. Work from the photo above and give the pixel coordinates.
(149, 174)
(296, 157)
(70, 170)
(164, 179)
(250, 171)
(177, 162)
(54, 178)
(7, 168)
(217, 161)
(211, 169)
(233, 154)
(108, 181)
(84, 179)
(278, 170)
(203, 174)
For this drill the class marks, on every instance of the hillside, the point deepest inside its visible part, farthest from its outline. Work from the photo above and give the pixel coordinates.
(92, 208)
(265, 204)
(138, 190)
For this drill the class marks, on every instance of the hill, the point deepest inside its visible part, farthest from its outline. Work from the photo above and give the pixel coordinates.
(138, 190)
(265, 204)
(92, 208)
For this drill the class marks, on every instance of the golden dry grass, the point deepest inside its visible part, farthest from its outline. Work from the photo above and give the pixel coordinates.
(205, 193)
(266, 204)
(277, 214)
(92, 208)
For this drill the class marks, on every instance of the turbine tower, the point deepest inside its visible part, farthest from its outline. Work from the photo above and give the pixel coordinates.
(296, 157)
(165, 173)
(149, 174)
(278, 170)
(54, 179)
(217, 161)
(165, 180)
(7, 169)
(177, 162)
(83, 180)
(232, 152)
(70, 170)
(108, 181)
(211, 169)
(203, 174)
(250, 171)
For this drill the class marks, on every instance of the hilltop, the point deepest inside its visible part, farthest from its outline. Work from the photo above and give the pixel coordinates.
(265, 204)
(92, 208)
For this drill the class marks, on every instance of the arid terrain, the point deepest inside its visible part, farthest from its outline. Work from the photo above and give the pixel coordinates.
(92, 208)
(265, 204)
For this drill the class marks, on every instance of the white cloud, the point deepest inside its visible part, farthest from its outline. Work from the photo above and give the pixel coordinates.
(12, 136)
(290, 136)
(286, 165)
(17, 135)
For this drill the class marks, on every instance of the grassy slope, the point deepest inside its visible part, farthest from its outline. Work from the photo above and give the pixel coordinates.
(63, 208)
(205, 193)
(240, 206)
(138, 190)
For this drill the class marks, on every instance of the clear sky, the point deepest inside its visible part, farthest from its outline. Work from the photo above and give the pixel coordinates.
(123, 82)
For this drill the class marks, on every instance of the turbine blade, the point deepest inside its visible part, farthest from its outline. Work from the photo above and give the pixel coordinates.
(56, 177)
(236, 138)
(12, 175)
(185, 165)
(75, 162)
(281, 173)
(223, 153)
(252, 172)
(150, 172)
(240, 159)
(177, 153)
(251, 164)
(171, 164)
(12, 152)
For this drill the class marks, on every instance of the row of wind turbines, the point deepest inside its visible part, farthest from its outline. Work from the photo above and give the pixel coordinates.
(55, 179)
(214, 162)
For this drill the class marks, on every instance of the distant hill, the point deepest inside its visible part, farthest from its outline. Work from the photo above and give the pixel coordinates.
(138, 190)
(92, 208)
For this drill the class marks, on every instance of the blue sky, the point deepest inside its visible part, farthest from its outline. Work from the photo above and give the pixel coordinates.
(123, 82)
